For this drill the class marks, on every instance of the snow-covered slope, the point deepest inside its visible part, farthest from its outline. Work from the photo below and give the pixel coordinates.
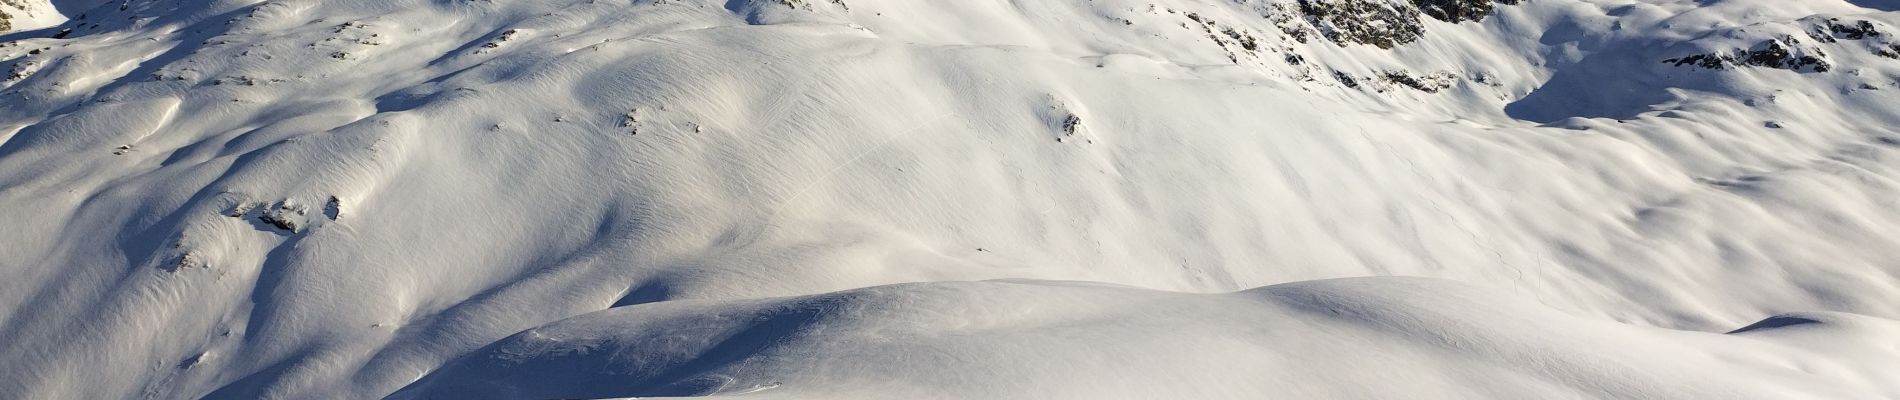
(16, 15)
(1394, 337)
(343, 199)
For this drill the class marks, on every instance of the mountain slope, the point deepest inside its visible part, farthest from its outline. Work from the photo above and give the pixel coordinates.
(338, 198)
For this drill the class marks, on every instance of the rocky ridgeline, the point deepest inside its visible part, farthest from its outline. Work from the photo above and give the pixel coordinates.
(1792, 53)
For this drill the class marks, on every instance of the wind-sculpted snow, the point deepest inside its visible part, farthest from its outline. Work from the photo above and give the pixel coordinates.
(1400, 337)
(343, 199)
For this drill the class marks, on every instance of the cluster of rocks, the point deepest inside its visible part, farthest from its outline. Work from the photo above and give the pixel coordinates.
(1382, 81)
(1377, 23)
(1455, 11)
(351, 35)
(20, 71)
(1833, 30)
(505, 37)
(1791, 53)
(1383, 24)
(283, 215)
(1769, 53)
(1380, 23)
(1428, 83)
(1234, 40)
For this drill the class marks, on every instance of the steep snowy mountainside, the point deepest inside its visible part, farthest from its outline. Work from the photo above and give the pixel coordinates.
(303, 198)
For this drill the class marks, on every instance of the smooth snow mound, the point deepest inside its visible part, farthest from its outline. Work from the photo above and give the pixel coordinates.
(1409, 338)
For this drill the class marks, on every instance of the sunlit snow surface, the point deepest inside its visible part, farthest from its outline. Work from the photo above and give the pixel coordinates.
(1074, 199)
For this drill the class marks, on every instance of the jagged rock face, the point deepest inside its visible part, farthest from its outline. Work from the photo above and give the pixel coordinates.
(1375, 23)
(1455, 11)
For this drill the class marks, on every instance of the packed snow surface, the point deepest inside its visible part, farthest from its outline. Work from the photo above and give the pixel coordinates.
(950, 199)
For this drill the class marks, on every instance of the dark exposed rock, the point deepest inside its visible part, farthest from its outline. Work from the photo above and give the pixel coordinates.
(1768, 53)
(280, 221)
(1710, 61)
(1428, 84)
(1346, 79)
(1246, 41)
(1290, 20)
(1835, 30)
(1888, 51)
(1381, 23)
(1376, 23)
(1856, 31)
(1455, 11)
(333, 209)
(1070, 125)
(285, 216)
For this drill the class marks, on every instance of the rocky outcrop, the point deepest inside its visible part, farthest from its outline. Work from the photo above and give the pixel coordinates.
(1790, 52)
(1455, 11)
(1383, 24)
(1428, 83)
(1835, 30)
(1785, 53)
(1375, 23)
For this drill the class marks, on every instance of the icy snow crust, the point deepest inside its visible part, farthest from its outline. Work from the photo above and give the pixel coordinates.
(353, 199)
